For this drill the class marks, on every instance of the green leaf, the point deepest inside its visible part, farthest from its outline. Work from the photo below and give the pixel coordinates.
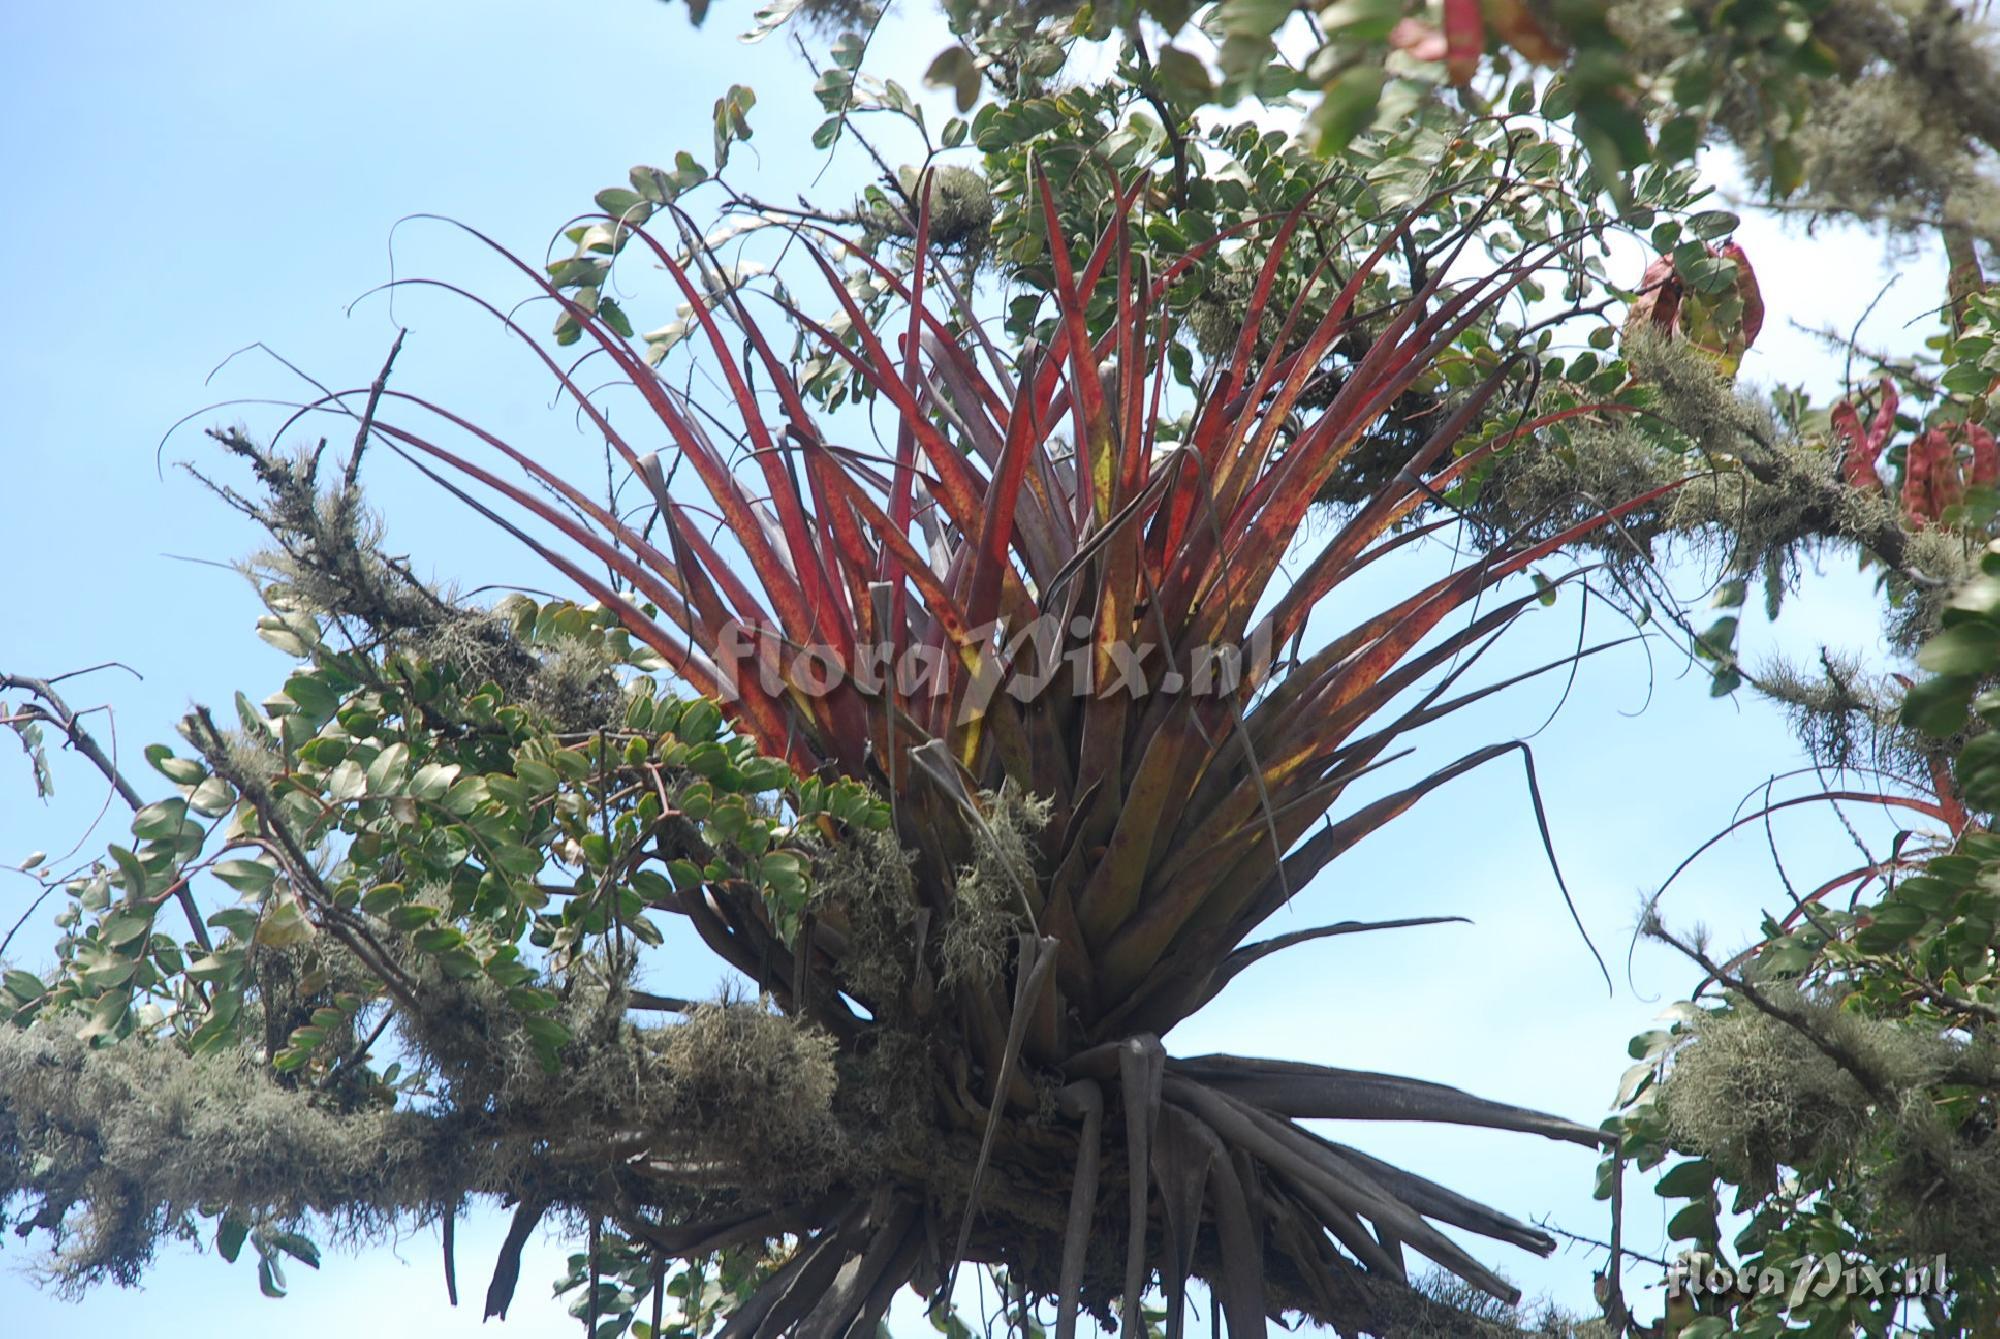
(1937, 706)
(347, 781)
(701, 722)
(285, 924)
(1252, 18)
(1184, 76)
(614, 316)
(955, 68)
(1696, 1222)
(409, 917)
(1713, 223)
(107, 1016)
(132, 874)
(245, 876)
(1686, 1181)
(385, 774)
(23, 986)
(1346, 108)
(532, 999)
(547, 1033)
(180, 771)
(310, 694)
(1971, 647)
(770, 18)
(1361, 20)
(1788, 168)
(438, 939)
(229, 1235)
(540, 778)
(300, 1248)
(162, 818)
(433, 780)
(212, 798)
(732, 122)
(126, 926)
(1967, 379)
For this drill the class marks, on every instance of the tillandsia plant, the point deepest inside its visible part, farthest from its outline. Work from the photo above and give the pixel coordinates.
(1108, 743)
(1012, 734)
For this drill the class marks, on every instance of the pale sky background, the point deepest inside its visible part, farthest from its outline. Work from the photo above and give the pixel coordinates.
(181, 181)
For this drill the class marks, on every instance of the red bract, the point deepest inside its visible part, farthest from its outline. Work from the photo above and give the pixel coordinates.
(1931, 480)
(1748, 294)
(1518, 27)
(1659, 301)
(1464, 37)
(1665, 302)
(1934, 477)
(1859, 448)
(1985, 455)
(1079, 597)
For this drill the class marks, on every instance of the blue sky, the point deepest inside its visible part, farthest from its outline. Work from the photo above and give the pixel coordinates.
(183, 181)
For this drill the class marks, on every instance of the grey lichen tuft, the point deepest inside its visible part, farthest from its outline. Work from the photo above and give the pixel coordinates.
(1440, 1305)
(961, 217)
(866, 880)
(328, 564)
(1753, 1093)
(758, 1084)
(987, 904)
(1938, 1187)
(113, 1150)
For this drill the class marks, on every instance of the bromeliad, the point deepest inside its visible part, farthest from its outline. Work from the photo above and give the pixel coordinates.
(1110, 729)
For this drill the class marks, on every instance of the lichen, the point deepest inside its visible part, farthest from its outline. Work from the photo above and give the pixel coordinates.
(987, 908)
(961, 212)
(867, 881)
(1753, 1093)
(758, 1085)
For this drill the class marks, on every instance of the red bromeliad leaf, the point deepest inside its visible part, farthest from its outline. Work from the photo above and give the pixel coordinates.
(1171, 806)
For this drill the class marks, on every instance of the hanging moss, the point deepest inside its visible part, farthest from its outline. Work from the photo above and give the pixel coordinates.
(758, 1086)
(986, 910)
(1938, 1188)
(1752, 1093)
(868, 884)
(112, 1150)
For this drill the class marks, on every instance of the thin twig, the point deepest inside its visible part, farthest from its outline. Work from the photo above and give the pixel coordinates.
(368, 414)
(59, 714)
